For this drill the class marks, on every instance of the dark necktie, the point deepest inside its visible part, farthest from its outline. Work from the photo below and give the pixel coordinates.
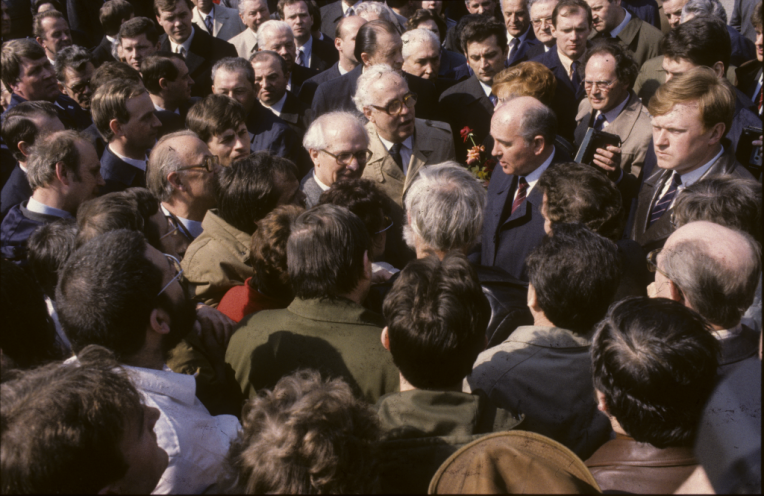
(574, 77)
(300, 56)
(395, 152)
(522, 187)
(512, 48)
(208, 23)
(664, 203)
(350, 12)
(599, 121)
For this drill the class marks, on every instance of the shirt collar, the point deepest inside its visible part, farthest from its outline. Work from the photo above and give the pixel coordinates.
(615, 32)
(186, 44)
(567, 61)
(487, 89)
(691, 177)
(614, 112)
(180, 387)
(111, 39)
(140, 164)
(522, 37)
(40, 208)
(342, 71)
(307, 48)
(729, 333)
(192, 226)
(534, 176)
(321, 185)
(345, 7)
(408, 142)
(276, 107)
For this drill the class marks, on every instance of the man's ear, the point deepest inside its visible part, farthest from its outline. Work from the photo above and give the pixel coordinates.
(601, 403)
(174, 179)
(385, 338)
(718, 68)
(40, 42)
(338, 44)
(533, 303)
(115, 126)
(365, 59)
(717, 133)
(61, 87)
(538, 145)
(160, 321)
(24, 147)
(314, 156)
(162, 83)
(368, 114)
(63, 174)
(676, 293)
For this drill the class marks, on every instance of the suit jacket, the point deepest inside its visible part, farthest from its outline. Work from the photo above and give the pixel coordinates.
(102, 53)
(337, 94)
(655, 236)
(330, 17)
(338, 337)
(171, 121)
(432, 145)
(312, 190)
(748, 77)
(309, 87)
(202, 55)
(529, 48)
(323, 55)
(743, 49)
(625, 465)
(742, 11)
(299, 75)
(118, 174)
(245, 43)
(15, 230)
(270, 133)
(507, 245)
(467, 105)
(566, 98)
(449, 61)
(736, 347)
(95, 137)
(647, 10)
(632, 125)
(15, 191)
(640, 38)
(295, 113)
(225, 25)
(545, 373)
(70, 113)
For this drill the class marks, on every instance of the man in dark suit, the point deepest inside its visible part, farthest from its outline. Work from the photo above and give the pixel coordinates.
(540, 13)
(313, 53)
(611, 20)
(471, 102)
(277, 36)
(347, 30)
(572, 23)
(112, 14)
(166, 77)
(378, 42)
(523, 44)
(333, 12)
(123, 163)
(749, 75)
(200, 49)
(513, 223)
(23, 125)
(687, 157)
(271, 77)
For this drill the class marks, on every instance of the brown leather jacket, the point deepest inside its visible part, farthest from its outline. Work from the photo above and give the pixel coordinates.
(625, 465)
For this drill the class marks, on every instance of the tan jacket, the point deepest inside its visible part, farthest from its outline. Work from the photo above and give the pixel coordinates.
(632, 125)
(433, 144)
(217, 260)
(245, 43)
(225, 25)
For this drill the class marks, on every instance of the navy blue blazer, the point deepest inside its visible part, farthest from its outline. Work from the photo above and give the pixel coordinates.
(102, 53)
(70, 113)
(324, 54)
(449, 61)
(507, 245)
(273, 135)
(309, 87)
(743, 49)
(647, 10)
(15, 191)
(299, 75)
(566, 98)
(337, 94)
(15, 230)
(118, 174)
(529, 48)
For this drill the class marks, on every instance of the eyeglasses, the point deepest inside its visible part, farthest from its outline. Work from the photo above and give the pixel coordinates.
(210, 164)
(541, 20)
(344, 158)
(388, 222)
(175, 263)
(652, 263)
(396, 106)
(605, 85)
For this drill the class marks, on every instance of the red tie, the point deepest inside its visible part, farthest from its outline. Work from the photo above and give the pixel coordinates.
(522, 185)
(761, 98)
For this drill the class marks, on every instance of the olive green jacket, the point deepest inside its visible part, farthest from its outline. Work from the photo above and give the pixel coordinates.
(422, 428)
(339, 338)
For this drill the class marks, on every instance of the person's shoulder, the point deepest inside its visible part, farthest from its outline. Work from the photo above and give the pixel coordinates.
(433, 129)
(459, 90)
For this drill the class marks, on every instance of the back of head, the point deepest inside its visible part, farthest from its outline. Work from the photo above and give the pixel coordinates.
(110, 102)
(480, 30)
(704, 8)
(264, 30)
(29, 337)
(59, 147)
(578, 193)
(414, 37)
(113, 13)
(72, 57)
(726, 200)
(159, 66)
(250, 188)
(269, 252)
(106, 293)
(437, 316)
(12, 53)
(644, 342)
(445, 205)
(49, 247)
(424, 15)
(702, 41)
(526, 79)
(307, 436)
(716, 269)
(326, 252)
(63, 425)
(366, 39)
(129, 209)
(372, 11)
(213, 115)
(363, 198)
(715, 97)
(575, 274)
(18, 125)
(112, 71)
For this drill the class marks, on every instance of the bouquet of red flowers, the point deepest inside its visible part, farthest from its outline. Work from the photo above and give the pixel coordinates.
(481, 164)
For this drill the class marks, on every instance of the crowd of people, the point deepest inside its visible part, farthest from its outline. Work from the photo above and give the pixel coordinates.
(311, 246)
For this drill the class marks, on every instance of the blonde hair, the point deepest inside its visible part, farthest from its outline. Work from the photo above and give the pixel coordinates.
(526, 79)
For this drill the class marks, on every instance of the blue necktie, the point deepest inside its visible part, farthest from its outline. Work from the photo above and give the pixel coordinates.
(494, 99)
(664, 203)
(208, 23)
(599, 122)
(512, 49)
(574, 77)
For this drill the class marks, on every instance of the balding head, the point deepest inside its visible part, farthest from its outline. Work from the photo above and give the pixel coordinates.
(712, 269)
(524, 131)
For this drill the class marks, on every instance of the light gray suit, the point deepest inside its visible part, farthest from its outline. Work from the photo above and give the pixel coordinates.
(226, 24)
(245, 43)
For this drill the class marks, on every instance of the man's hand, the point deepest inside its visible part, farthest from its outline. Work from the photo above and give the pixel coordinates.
(609, 160)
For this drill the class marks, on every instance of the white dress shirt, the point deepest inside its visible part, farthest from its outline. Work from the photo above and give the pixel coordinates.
(139, 164)
(321, 185)
(307, 52)
(40, 208)
(194, 227)
(690, 178)
(614, 112)
(186, 44)
(278, 106)
(534, 176)
(345, 7)
(407, 147)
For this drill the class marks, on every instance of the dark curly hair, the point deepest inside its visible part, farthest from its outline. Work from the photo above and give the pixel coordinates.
(626, 68)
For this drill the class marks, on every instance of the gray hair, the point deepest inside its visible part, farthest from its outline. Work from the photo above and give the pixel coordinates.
(526, 3)
(243, 5)
(234, 64)
(60, 146)
(445, 205)
(74, 57)
(539, 120)
(362, 98)
(415, 36)
(164, 159)
(382, 10)
(279, 26)
(717, 290)
(703, 8)
(531, 3)
(315, 138)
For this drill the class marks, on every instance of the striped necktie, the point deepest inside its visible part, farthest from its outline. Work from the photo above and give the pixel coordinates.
(522, 187)
(664, 203)
(208, 22)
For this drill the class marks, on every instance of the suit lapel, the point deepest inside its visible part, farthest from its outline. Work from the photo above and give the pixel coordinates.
(221, 18)
(630, 31)
(193, 61)
(627, 119)
(200, 20)
(419, 155)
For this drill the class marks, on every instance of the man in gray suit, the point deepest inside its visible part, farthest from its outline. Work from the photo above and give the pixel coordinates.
(217, 20)
(338, 146)
(252, 13)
